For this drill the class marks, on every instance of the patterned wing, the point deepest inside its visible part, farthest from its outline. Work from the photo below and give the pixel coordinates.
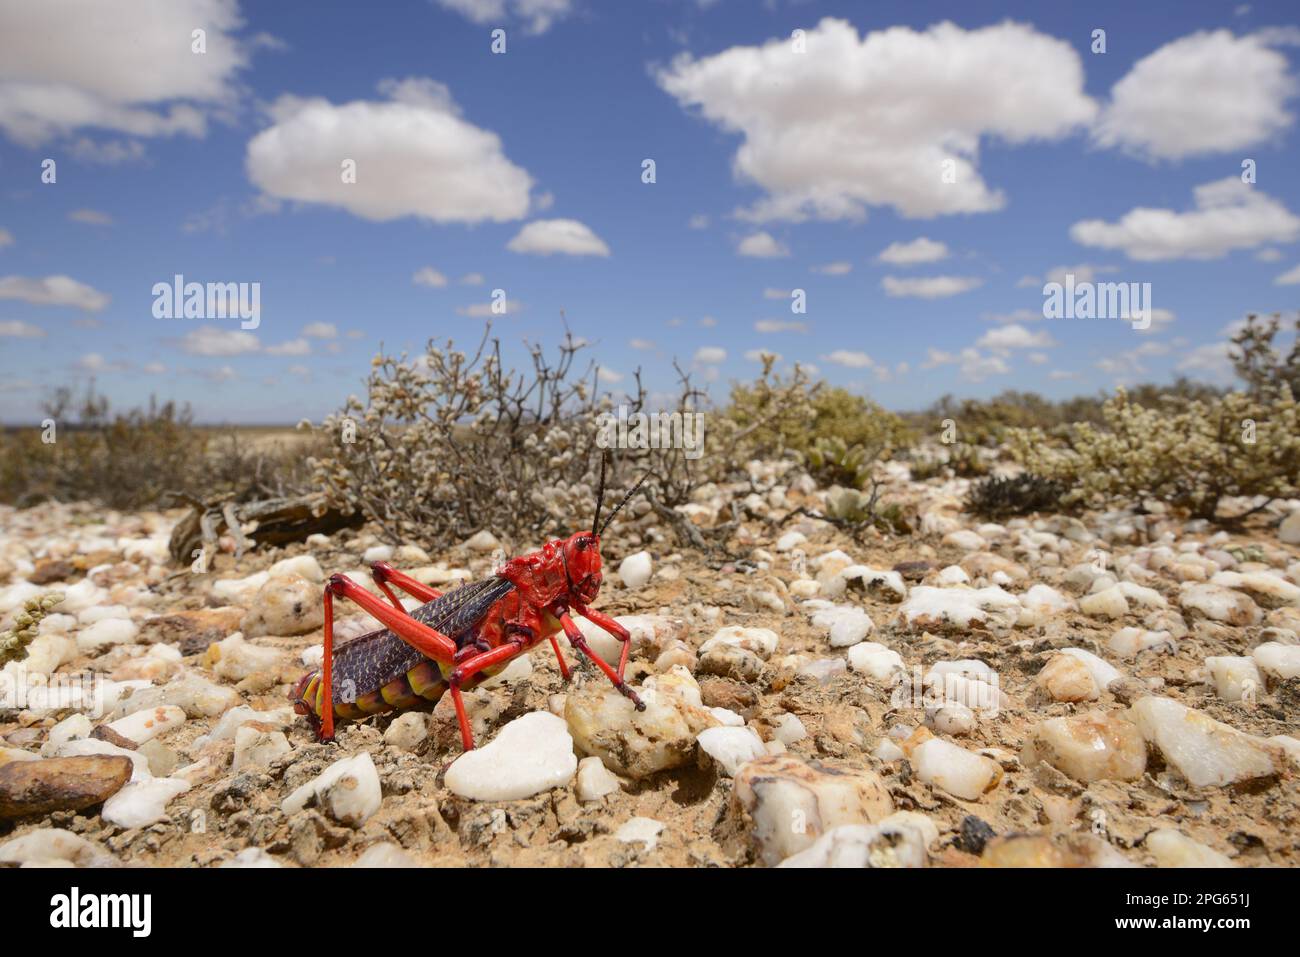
(371, 661)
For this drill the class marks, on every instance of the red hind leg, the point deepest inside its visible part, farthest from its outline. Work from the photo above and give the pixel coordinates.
(383, 573)
(429, 642)
(559, 656)
(579, 641)
(602, 620)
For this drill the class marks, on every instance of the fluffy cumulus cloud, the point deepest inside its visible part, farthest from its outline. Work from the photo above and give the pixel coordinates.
(1229, 215)
(861, 121)
(14, 329)
(568, 237)
(710, 355)
(920, 250)
(414, 155)
(428, 276)
(1289, 278)
(761, 245)
(118, 66)
(1013, 336)
(216, 341)
(537, 16)
(929, 287)
(974, 365)
(1210, 92)
(53, 291)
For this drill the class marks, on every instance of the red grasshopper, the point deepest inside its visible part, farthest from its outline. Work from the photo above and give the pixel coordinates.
(457, 639)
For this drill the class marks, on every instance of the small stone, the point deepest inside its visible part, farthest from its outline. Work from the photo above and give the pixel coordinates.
(961, 773)
(348, 790)
(594, 780)
(106, 632)
(877, 662)
(45, 785)
(1277, 660)
(639, 743)
(531, 754)
(407, 731)
(864, 845)
(635, 570)
(385, 854)
(1233, 677)
(142, 803)
(1288, 533)
(774, 791)
(731, 747)
(304, 566)
(285, 605)
(958, 609)
(193, 631)
(759, 641)
(1128, 642)
(1205, 752)
(141, 726)
(482, 542)
(974, 834)
(789, 729)
(1172, 848)
(790, 541)
(1065, 678)
(1089, 747)
(50, 844)
(1107, 603)
(255, 747)
(251, 857)
(644, 830)
(1217, 603)
(235, 659)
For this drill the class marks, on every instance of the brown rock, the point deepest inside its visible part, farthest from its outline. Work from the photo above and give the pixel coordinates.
(732, 695)
(60, 784)
(913, 571)
(193, 630)
(49, 570)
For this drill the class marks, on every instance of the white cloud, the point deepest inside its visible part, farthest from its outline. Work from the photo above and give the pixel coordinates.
(1209, 92)
(91, 217)
(1015, 337)
(974, 366)
(919, 250)
(609, 375)
(708, 322)
(840, 268)
(53, 291)
(537, 15)
(13, 329)
(299, 370)
(293, 347)
(761, 245)
(770, 293)
(1269, 255)
(1212, 361)
(569, 237)
(698, 221)
(154, 368)
(710, 355)
(642, 345)
(1025, 282)
(483, 310)
(428, 276)
(414, 156)
(124, 66)
(1062, 374)
(759, 355)
(1228, 215)
(472, 279)
(849, 359)
(1039, 358)
(1081, 273)
(1289, 278)
(930, 287)
(860, 122)
(1017, 316)
(780, 325)
(320, 330)
(212, 341)
(6, 238)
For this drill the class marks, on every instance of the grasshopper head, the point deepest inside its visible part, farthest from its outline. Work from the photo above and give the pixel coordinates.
(582, 564)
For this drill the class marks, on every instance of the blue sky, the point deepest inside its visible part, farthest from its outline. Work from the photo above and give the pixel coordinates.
(524, 170)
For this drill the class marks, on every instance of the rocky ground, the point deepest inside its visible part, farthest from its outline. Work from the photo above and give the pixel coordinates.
(1111, 690)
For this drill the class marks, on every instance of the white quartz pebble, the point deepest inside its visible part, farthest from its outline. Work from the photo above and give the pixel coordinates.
(531, 754)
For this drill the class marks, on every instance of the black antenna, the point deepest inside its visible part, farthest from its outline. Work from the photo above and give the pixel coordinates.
(600, 492)
(626, 499)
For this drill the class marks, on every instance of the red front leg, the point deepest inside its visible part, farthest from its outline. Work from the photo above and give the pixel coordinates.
(579, 641)
(467, 669)
(602, 620)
